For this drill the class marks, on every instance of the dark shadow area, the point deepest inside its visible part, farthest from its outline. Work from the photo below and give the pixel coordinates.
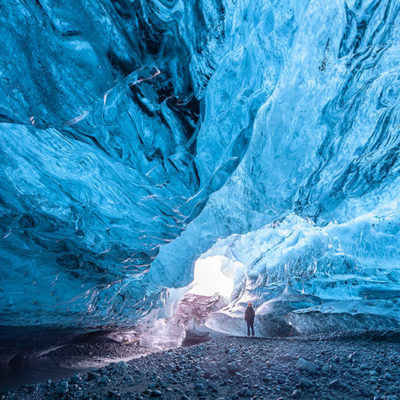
(31, 355)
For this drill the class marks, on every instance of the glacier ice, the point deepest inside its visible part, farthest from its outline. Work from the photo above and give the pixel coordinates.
(99, 122)
(136, 136)
(307, 278)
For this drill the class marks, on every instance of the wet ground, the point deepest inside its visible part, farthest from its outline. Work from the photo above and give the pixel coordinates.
(352, 366)
(35, 354)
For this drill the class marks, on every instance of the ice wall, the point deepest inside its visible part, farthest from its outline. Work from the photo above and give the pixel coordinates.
(324, 147)
(305, 278)
(100, 114)
(120, 118)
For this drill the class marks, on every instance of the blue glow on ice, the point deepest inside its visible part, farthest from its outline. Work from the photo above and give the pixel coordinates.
(137, 135)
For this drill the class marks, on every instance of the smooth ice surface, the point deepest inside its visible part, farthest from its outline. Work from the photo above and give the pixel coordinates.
(136, 135)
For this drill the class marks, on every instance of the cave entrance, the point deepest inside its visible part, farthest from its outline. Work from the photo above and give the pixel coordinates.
(212, 276)
(211, 290)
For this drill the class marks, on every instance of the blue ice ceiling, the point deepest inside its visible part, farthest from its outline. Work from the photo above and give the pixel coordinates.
(137, 135)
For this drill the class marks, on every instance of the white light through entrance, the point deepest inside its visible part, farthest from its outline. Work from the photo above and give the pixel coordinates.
(209, 278)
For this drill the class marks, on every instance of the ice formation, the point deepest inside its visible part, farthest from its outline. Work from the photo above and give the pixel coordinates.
(137, 136)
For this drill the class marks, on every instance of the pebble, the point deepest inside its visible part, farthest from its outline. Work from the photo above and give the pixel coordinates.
(388, 377)
(305, 365)
(62, 388)
(122, 365)
(245, 392)
(337, 384)
(93, 376)
(305, 383)
(104, 380)
(128, 379)
(296, 394)
(233, 368)
(75, 379)
(325, 369)
(365, 391)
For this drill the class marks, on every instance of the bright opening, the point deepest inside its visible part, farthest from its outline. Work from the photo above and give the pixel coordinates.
(211, 276)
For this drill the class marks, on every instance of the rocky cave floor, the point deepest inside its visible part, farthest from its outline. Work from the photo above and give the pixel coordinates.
(358, 366)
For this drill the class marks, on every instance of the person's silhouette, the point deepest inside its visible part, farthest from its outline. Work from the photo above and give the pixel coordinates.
(249, 316)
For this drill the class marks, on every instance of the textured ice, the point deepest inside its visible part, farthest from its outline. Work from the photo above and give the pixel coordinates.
(310, 278)
(137, 135)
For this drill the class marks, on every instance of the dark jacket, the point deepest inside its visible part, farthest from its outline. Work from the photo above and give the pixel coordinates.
(249, 314)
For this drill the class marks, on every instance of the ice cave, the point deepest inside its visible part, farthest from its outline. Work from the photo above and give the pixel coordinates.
(157, 149)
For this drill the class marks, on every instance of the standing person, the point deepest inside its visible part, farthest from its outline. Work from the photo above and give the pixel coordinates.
(249, 316)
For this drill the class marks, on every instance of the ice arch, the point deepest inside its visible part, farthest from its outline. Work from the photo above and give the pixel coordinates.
(101, 161)
(126, 158)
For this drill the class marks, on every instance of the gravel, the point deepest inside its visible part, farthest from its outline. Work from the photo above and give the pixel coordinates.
(240, 367)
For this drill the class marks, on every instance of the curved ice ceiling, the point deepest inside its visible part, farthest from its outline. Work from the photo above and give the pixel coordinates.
(120, 118)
